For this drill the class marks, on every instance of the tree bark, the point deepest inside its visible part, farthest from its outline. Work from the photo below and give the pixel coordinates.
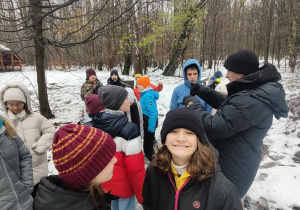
(182, 43)
(39, 46)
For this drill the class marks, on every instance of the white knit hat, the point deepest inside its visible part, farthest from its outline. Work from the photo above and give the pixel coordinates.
(14, 94)
(130, 95)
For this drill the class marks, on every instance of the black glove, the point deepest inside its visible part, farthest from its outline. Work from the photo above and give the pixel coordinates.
(192, 102)
(196, 89)
(96, 88)
(108, 197)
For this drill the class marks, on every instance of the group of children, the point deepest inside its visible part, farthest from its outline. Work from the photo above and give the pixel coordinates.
(100, 161)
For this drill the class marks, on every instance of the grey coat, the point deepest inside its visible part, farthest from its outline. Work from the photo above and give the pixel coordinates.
(16, 176)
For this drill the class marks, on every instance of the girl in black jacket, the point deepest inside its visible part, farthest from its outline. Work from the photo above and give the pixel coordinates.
(184, 174)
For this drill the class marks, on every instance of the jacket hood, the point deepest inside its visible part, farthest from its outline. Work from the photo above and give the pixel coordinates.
(19, 85)
(110, 123)
(188, 63)
(264, 86)
(273, 94)
(149, 91)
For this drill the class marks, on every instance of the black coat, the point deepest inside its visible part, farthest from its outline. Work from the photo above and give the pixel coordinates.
(52, 194)
(242, 121)
(214, 193)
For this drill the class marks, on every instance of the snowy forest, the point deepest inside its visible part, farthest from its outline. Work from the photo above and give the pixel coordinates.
(58, 40)
(146, 33)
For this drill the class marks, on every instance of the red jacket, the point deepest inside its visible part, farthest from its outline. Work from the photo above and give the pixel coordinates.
(129, 170)
(157, 88)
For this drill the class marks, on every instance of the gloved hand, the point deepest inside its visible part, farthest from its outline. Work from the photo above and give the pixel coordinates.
(196, 89)
(109, 197)
(96, 88)
(192, 102)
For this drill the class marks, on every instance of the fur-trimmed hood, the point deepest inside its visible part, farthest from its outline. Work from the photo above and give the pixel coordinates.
(19, 85)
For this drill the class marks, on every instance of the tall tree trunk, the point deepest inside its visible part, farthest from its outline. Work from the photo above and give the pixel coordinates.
(182, 43)
(268, 32)
(39, 46)
(127, 64)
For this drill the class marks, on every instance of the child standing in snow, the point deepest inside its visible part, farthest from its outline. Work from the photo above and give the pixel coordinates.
(137, 94)
(129, 171)
(150, 114)
(84, 158)
(34, 129)
(15, 170)
(91, 85)
(184, 173)
(114, 79)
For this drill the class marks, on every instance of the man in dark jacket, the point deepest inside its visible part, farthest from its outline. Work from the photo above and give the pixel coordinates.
(244, 117)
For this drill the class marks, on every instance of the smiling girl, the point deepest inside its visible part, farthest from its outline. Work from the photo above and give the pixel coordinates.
(184, 173)
(34, 129)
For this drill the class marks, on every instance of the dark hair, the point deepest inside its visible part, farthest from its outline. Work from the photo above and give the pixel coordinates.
(96, 192)
(201, 166)
(26, 109)
(192, 66)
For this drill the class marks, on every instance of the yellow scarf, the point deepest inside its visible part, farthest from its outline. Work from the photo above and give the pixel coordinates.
(180, 180)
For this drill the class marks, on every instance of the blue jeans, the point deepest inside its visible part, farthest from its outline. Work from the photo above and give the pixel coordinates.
(124, 203)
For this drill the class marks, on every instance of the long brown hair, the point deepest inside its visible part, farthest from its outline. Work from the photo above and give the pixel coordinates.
(10, 130)
(201, 166)
(96, 192)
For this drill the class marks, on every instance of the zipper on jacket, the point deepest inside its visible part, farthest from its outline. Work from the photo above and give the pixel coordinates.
(177, 192)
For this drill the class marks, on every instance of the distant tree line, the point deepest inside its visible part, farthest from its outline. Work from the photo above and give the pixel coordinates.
(147, 33)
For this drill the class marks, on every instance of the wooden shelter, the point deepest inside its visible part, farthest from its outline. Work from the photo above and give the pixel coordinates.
(9, 58)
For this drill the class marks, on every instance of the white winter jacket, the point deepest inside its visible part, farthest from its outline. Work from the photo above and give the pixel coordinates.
(35, 130)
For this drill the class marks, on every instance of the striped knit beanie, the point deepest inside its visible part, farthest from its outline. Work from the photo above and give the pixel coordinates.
(80, 153)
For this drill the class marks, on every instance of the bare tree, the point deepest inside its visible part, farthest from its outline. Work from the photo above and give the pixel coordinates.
(37, 22)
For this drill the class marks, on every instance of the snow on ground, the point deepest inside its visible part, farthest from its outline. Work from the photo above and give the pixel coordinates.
(278, 178)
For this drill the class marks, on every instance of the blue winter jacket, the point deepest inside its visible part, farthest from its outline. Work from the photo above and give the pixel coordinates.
(149, 107)
(184, 89)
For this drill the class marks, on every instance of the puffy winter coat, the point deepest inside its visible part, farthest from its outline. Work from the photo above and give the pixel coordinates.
(35, 130)
(242, 121)
(53, 194)
(214, 193)
(157, 88)
(129, 170)
(16, 179)
(149, 107)
(184, 89)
